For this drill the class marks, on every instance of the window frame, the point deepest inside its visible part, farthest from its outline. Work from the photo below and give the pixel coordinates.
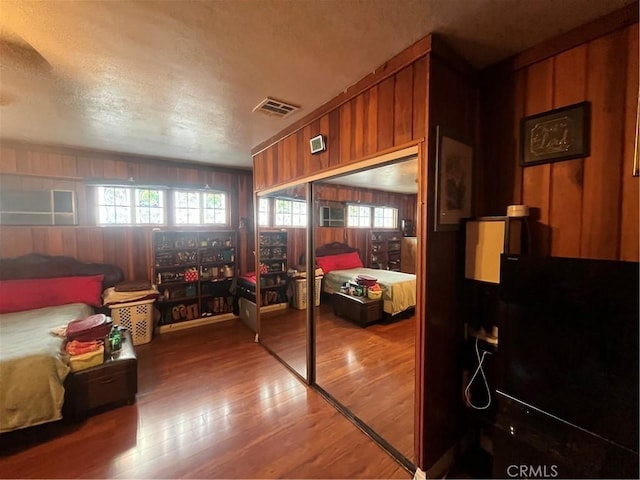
(132, 194)
(266, 201)
(361, 208)
(201, 208)
(301, 214)
(394, 214)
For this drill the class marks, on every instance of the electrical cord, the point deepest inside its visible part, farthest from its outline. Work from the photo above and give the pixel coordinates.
(467, 395)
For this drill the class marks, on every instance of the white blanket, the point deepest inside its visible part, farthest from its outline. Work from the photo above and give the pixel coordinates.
(398, 289)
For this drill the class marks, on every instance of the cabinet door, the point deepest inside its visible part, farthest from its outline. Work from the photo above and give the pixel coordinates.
(409, 253)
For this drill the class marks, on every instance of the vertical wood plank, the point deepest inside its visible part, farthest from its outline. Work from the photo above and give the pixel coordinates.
(629, 230)
(287, 161)
(335, 138)
(371, 121)
(69, 165)
(8, 160)
(83, 166)
(419, 99)
(385, 113)
(309, 160)
(40, 240)
(520, 99)
(565, 211)
(607, 59)
(346, 132)
(15, 241)
(536, 179)
(358, 112)
(69, 242)
(403, 106)
(55, 242)
(322, 159)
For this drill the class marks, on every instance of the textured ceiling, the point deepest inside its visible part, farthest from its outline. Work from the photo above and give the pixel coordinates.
(179, 79)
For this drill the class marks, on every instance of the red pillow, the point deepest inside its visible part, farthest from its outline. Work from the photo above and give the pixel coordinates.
(17, 295)
(342, 261)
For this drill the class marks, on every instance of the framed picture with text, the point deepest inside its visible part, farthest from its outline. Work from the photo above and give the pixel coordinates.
(560, 134)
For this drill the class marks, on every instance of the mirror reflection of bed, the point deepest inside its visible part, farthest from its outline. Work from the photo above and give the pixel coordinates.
(365, 347)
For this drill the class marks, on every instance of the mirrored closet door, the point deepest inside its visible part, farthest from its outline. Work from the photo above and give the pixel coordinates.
(365, 335)
(282, 235)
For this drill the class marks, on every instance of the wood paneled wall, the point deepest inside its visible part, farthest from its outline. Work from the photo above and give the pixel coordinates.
(427, 86)
(452, 100)
(359, 237)
(31, 167)
(584, 207)
(388, 114)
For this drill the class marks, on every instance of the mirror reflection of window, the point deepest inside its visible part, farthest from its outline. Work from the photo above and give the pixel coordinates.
(263, 212)
(385, 217)
(290, 213)
(358, 216)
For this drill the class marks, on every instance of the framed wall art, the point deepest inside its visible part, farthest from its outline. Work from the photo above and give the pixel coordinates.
(560, 134)
(454, 168)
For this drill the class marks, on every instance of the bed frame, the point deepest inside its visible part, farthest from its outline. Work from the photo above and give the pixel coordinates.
(38, 265)
(334, 248)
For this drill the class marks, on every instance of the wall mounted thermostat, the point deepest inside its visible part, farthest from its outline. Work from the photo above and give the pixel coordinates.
(317, 144)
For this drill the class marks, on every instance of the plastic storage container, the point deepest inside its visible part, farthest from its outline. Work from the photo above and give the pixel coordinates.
(137, 317)
(300, 293)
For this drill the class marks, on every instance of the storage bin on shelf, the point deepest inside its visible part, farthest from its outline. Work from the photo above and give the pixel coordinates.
(137, 317)
(300, 292)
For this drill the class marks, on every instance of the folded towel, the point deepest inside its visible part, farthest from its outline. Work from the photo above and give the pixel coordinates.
(78, 348)
(133, 286)
(111, 296)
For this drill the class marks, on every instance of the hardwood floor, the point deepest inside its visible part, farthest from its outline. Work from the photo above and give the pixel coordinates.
(211, 404)
(371, 371)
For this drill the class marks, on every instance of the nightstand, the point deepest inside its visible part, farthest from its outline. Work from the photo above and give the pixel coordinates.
(113, 382)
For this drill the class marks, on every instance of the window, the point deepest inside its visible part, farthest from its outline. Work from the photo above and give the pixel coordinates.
(35, 207)
(385, 217)
(201, 208)
(263, 212)
(149, 206)
(358, 216)
(130, 206)
(290, 213)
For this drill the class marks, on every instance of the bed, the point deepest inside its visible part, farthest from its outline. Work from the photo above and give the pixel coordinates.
(341, 263)
(37, 294)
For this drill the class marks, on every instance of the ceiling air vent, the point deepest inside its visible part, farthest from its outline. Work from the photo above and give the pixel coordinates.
(271, 106)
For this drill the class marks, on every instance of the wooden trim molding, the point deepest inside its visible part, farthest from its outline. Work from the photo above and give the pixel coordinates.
(387, 155)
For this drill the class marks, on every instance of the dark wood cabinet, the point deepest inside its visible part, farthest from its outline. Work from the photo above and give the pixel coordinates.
(113, 382)
(409, 254)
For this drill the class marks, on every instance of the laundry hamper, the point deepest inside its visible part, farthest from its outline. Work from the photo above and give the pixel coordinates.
(300, 293)
(137, 317)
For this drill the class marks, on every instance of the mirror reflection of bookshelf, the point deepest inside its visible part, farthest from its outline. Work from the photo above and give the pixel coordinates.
(385, 249)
